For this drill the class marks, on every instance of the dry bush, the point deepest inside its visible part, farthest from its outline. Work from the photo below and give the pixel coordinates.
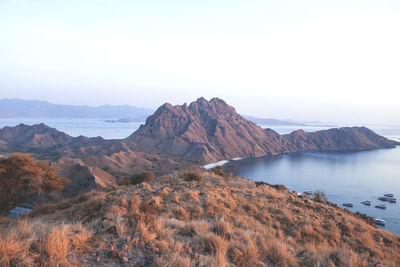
(21, 176)
(174, 260)
(144, 231)
(243, 250)
(222, 228)
(57, 244)
(36, 243)
(157, 203)
(309, 235)
(219, 170)
(138, 178)
(192, 176)
(166, 191)
(80, 238)
(90, 209)
(163, 246)
(278, 253)
(14, 251)
(118, 209)
(210, 243)
(181, 213)
(193, 195)
(320, 196)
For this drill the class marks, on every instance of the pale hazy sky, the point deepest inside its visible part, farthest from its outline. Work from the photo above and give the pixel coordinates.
(307, 60)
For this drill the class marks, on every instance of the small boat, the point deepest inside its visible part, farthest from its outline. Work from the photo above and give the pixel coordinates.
(383, 198)
(348, 205)
(380, 221)
(388, 195)
(308, 192)
(382, 206)
(366, 202)
(392, 200)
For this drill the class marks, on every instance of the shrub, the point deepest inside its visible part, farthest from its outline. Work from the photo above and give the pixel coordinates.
(21, 176)
(138, 178)
(219, 170)
(192, 176)
(320, 196)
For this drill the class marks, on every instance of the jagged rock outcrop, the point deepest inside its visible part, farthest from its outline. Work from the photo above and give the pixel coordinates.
(339, 139)
(205, 131)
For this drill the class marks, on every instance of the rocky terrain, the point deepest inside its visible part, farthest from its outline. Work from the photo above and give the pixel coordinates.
(211, 220)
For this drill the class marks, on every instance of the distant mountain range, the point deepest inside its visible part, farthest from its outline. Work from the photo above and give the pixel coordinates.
(13, 108)
(18, 108)
(262, 121)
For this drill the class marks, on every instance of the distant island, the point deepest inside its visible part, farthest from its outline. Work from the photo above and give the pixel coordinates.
(269, 121)
(127, 120)
(259, 121)
(17, 108)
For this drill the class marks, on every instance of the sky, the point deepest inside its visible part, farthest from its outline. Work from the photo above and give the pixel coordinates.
(329, 61)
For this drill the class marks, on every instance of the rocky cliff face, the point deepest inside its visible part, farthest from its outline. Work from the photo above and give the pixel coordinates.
(341, 139)
(205, 131)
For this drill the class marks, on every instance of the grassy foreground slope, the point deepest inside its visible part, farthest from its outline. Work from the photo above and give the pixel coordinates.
(217, 221)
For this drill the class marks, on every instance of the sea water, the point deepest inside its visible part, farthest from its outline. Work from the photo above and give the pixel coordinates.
(87, 127)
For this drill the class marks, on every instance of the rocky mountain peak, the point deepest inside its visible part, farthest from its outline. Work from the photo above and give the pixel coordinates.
(204, 131)
(214, 108)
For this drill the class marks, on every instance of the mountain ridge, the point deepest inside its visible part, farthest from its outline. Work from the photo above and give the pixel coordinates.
(204, 131)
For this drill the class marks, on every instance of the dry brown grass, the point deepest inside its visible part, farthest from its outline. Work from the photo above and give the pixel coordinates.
(218, 222)
(37, 243)
(192, 176)
(14, 250)
(57, 244)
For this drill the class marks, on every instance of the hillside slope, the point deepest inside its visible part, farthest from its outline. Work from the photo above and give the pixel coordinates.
(218, 221)
(42, 138)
